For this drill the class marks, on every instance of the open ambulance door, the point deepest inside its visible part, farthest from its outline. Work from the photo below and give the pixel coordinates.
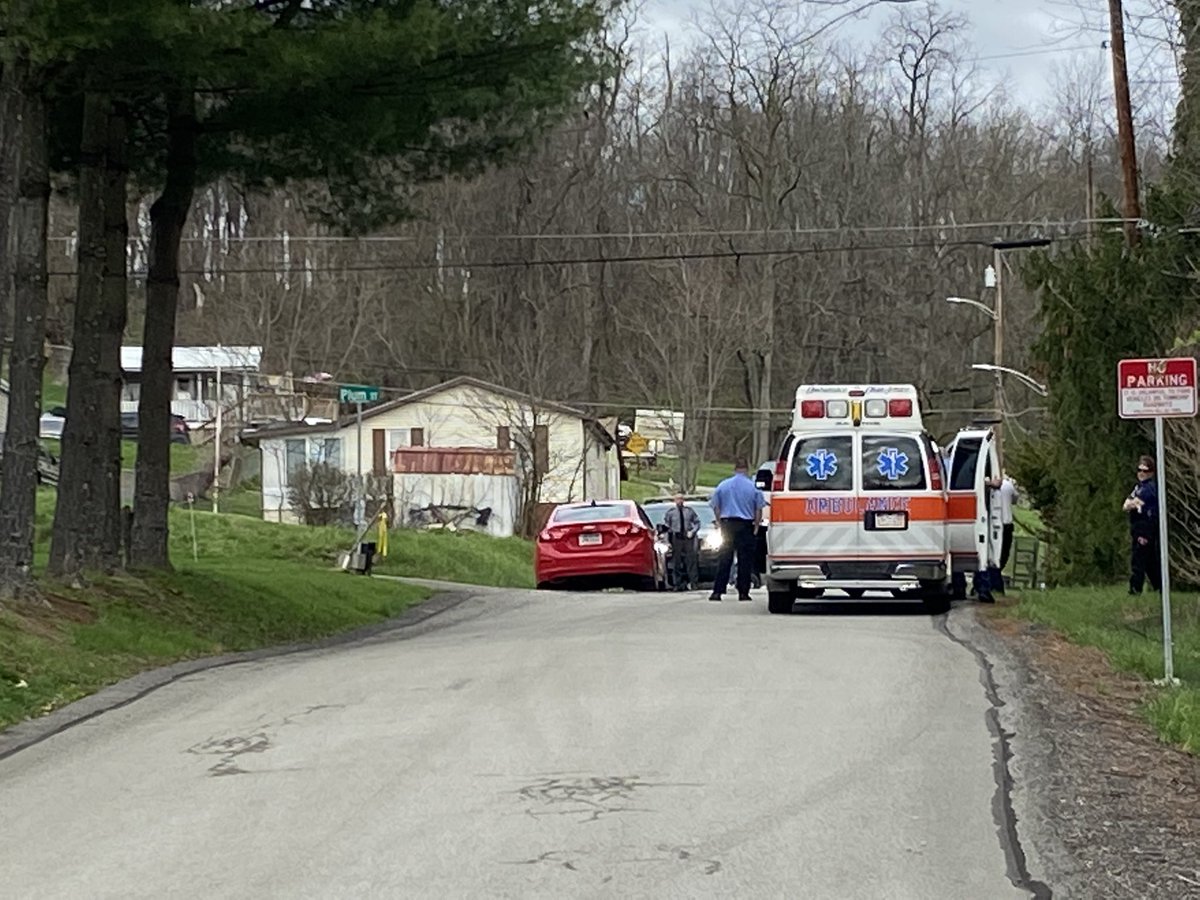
(974, 530)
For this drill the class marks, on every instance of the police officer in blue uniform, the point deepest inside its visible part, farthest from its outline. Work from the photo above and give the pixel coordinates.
(738, 504)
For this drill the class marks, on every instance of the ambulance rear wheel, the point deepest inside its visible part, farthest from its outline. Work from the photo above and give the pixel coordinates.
(958, 586)
(935, 597)
(780, 602)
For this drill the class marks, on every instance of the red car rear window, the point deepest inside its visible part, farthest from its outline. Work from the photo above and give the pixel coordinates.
(599, 513)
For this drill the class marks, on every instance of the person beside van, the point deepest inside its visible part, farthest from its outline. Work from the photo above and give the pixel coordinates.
(1142, 507)
(1007, 496)
(738, 504)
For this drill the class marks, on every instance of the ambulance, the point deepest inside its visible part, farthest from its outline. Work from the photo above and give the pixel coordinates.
(864, 500)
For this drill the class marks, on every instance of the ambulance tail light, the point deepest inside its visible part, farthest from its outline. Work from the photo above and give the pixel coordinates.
(812, 409)
(900, 409)
(780, 474)
(935, 474)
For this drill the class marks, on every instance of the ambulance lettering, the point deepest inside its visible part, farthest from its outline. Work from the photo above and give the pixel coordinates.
(887, 504)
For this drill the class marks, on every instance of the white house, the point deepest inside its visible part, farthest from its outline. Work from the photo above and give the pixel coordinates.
(194, 393)
(461, 446)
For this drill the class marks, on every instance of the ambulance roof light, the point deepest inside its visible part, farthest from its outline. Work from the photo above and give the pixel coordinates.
(812, 409)
(900, 409)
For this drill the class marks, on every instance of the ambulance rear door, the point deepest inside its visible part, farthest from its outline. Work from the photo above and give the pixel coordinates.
(903, 509)
(815, 518)
(973, 511)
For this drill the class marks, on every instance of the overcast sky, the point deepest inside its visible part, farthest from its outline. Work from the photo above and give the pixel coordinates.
(1017, 41)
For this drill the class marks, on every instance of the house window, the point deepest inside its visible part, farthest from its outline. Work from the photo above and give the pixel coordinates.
(416, 437)
(397, 438)
(296, 455)
(503, 438)
(328, 451)
(301, 452)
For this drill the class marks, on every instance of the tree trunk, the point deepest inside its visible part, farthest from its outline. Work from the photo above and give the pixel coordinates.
(79, 520)
(9, 123)
(18, 473)
(114, 315)
(168, 214)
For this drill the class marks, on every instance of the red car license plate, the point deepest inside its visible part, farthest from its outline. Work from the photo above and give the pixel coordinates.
(590, 539)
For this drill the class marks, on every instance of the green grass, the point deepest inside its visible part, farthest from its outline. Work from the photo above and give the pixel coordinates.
(185, 458)
(252, 584)
(53, 394)
(1129, 631)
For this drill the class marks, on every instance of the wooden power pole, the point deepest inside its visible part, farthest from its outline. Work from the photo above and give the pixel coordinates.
(1132, 208)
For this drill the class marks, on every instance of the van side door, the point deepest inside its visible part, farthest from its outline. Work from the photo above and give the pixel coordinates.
(973, 509)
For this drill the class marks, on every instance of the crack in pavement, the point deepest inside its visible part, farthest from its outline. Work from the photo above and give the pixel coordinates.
(1003, 812)
(230, 748)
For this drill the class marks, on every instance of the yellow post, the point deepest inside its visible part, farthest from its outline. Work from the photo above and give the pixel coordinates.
(382, 547)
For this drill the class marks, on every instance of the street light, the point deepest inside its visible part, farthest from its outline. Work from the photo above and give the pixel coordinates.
(991, 313)
(996, 313)
(1040, 389)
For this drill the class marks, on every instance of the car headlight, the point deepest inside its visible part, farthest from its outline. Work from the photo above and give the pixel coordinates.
(712, 540)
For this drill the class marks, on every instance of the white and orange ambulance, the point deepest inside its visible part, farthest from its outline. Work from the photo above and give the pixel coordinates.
(863, 500)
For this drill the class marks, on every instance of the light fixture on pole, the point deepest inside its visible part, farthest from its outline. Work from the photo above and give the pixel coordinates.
(1040, 389)
(966, 301)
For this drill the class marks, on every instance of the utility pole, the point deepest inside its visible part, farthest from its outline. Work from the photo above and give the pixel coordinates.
(1132, 208)
(998, 350)
(998, 248)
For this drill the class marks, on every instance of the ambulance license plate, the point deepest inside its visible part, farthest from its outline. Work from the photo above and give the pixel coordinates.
(896, 521)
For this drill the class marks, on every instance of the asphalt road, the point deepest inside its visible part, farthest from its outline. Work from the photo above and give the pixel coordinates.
(549, 745)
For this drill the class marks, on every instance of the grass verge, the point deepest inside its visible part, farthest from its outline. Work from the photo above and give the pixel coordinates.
(1129, 631)
(251, 584)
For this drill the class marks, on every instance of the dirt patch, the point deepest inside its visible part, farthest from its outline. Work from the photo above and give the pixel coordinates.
(1124, 805)
(47, 615)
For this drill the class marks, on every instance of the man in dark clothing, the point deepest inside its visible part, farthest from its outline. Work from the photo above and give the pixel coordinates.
(683, 525)
(1142, 506)
(738, 505)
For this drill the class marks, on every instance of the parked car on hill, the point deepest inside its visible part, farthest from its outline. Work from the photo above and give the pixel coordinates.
(179, 428)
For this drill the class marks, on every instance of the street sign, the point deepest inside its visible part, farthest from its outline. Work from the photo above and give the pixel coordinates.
(1155, 388)
(357, 393)
(1159, 389)
(636, 444)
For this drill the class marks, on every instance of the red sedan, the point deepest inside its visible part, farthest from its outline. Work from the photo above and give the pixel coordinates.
(601, 539)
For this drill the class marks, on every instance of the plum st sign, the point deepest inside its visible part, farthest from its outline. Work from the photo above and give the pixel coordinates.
(1159, 389)
(358, 394)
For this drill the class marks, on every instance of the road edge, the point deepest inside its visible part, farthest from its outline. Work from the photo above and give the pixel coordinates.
(1020, 827)
(24, 735)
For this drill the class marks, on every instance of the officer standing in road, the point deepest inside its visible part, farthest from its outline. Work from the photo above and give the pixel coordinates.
(1142, 506)
(683, 525)
(738, 505)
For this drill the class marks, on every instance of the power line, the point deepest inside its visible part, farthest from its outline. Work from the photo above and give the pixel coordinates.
(451, 237)
(618, 259)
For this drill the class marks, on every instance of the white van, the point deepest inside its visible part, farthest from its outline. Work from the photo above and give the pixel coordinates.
(860, 500)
